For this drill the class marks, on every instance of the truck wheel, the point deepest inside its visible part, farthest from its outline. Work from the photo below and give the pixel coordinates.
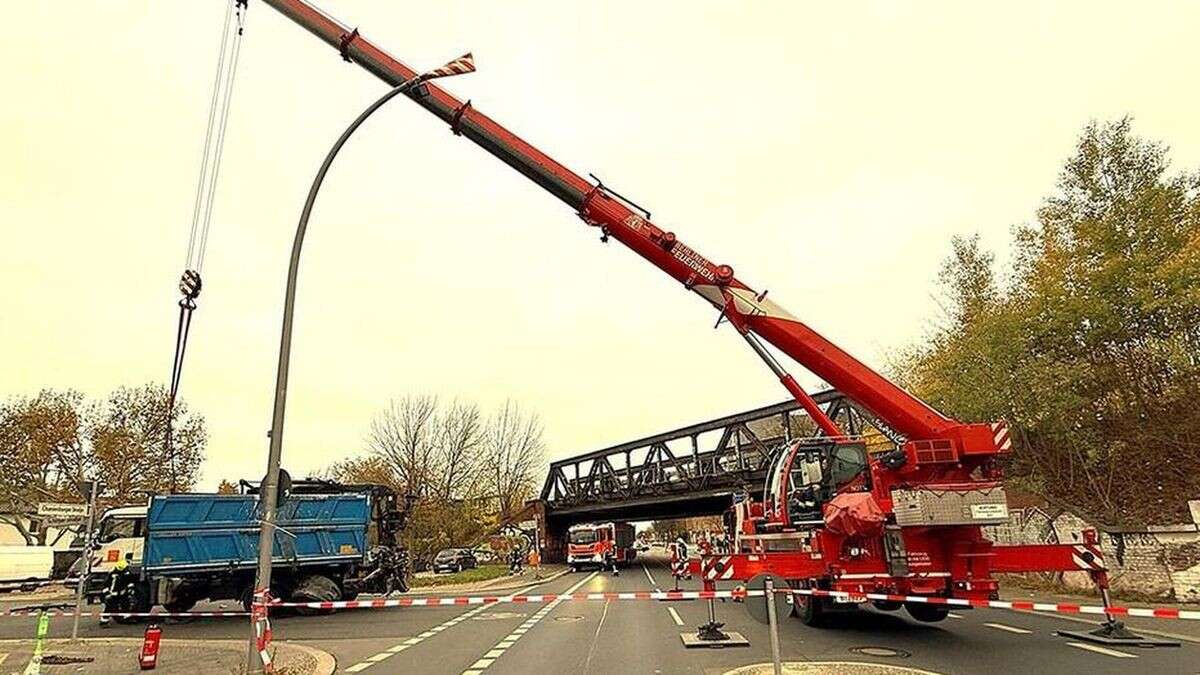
(887, 605)
(808, 609)
(926, 613)
(315, 588)
(181, 603)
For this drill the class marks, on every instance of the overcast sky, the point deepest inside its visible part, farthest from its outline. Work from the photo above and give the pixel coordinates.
(827, 151)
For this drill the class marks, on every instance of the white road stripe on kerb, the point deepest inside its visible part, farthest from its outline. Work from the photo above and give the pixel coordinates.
(1010, 629)
(396, 649)
(519, 632)
(1101, 650)
(952, 615)
(675, 616)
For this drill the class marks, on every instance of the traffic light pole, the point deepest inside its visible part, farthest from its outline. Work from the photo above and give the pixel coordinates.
(85, 570)
(269, 490)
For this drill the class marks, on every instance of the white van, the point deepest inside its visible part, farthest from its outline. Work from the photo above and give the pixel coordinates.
(21, 565)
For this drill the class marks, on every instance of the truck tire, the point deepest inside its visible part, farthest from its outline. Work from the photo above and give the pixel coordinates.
(887, 605)
(926, 613)
(181, 603)
(315, 588)
(809, 609)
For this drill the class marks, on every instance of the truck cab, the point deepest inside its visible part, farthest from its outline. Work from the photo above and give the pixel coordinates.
(600, 545)
(120, 534)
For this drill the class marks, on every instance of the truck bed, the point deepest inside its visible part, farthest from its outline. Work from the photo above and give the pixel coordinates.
(193, 533)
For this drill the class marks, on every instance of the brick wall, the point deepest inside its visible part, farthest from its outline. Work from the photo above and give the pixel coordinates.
(1160, 562)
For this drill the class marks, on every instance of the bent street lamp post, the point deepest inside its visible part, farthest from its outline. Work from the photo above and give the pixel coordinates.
(269, 489)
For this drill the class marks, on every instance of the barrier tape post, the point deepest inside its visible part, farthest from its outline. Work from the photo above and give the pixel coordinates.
(769, 596)
(262, 628)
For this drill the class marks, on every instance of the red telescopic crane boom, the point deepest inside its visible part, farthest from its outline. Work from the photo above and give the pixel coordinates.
(747, 310)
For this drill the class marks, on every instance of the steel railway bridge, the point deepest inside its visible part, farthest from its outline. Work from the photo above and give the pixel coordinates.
(690, 471)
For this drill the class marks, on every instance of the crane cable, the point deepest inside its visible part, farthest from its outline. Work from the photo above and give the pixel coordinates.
(206, 186)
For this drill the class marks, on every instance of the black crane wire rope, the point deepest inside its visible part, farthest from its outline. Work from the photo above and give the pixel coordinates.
(202, 210)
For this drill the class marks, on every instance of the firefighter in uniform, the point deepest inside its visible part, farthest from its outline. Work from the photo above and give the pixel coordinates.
(119, 580)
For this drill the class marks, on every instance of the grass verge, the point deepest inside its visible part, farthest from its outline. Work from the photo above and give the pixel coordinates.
(476, 575)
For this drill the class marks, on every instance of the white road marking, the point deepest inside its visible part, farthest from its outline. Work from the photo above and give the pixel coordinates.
(675, 615)
(1101, 650)
(651, 578)
(502, 646)
(396, 649)
(952, 615)
(1010, 629)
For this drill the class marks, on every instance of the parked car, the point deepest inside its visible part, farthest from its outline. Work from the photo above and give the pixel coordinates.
(454, 560)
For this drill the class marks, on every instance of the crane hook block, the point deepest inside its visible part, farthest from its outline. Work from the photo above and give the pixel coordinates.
(189, 284)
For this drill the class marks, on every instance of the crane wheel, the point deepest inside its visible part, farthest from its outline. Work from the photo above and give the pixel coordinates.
(810, 610)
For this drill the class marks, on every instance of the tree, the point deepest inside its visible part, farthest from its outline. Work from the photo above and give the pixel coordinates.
(129, 443)
(42, 457)
(403, 436)
(1091, 348)
(226, 488)
(513, 450)
(457, 445)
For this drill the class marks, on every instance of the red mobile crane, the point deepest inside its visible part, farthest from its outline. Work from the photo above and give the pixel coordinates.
(831, 517)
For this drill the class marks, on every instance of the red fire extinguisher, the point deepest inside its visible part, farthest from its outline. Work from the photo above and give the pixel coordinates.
(148, 659)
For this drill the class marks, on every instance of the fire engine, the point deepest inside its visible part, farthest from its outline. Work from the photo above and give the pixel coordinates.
(600, 545)
(830, 516)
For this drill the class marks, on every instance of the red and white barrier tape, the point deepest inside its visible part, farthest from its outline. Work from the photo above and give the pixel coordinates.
(120, 615)
(737, 594)
(493, 599)
(1065, 608)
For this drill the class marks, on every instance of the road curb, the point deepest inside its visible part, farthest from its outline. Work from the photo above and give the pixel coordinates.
(326, 664)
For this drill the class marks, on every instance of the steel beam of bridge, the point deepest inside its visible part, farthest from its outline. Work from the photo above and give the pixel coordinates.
(689, 471)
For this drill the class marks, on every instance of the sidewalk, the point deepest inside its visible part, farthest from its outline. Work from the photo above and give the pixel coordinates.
(504, 583)
(1185, 630)
(183, 657)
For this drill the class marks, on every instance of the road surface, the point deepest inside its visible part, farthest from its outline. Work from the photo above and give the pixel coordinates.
(623, 636)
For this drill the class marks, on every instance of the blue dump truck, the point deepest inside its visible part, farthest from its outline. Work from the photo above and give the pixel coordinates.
(332, 542)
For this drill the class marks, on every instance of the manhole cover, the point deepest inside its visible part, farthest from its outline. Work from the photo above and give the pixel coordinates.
(568, 619)
(883, 652)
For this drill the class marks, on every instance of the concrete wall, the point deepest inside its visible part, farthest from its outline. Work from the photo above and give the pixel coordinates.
(1160, 562)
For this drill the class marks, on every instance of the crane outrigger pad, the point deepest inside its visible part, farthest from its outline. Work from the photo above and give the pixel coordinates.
(1115, 633)
(731, 639)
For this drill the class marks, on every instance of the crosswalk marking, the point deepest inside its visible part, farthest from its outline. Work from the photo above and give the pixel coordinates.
(1010, 629)
(1101, 650)
(496, 652)
(409, 642)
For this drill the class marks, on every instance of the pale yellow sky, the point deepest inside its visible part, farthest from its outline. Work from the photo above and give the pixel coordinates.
(827, 152)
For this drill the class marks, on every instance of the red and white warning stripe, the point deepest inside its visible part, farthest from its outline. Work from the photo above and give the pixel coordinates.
(717, 568)
(1001, 436)
(1088, 557)
(1065, 608)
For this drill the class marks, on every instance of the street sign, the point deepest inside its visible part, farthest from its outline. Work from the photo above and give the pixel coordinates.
(60, 510)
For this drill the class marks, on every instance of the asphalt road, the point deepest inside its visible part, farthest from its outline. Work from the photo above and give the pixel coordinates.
(625, 636)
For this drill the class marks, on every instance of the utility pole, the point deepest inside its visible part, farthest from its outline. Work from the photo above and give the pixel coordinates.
(85, 570)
